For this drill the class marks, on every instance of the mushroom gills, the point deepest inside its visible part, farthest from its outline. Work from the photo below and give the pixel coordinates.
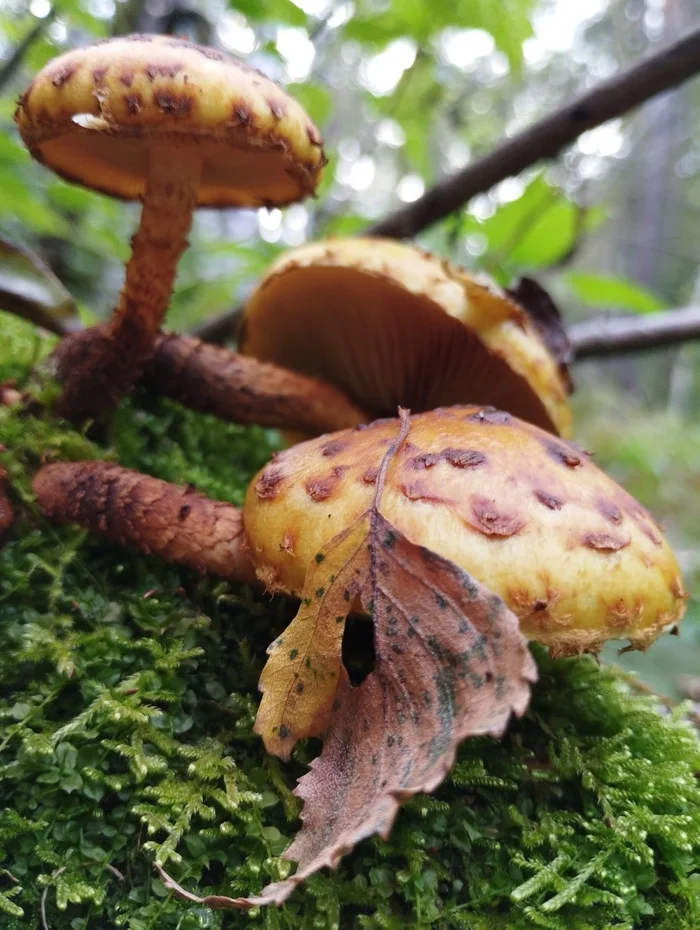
(412, 354)
(118, 165)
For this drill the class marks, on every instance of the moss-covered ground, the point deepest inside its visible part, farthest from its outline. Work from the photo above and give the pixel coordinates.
(127, 698)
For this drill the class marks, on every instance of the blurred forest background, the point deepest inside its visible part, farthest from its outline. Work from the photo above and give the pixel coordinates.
(404, 92)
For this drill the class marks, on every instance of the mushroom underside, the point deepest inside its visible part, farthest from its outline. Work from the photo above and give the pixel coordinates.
(382, 345)
(234, 173)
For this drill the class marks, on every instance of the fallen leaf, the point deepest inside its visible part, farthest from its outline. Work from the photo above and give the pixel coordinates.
(303, 673)
(450, 663)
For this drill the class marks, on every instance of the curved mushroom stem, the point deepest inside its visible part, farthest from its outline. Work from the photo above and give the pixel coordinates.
(102, 378)
(233, 387)
(158, 518)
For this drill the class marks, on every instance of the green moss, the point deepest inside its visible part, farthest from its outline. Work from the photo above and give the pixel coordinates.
(127, 697)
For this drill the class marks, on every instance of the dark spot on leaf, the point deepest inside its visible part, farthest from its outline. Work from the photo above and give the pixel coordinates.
(299, 687)
(293, 654)
(319, 557)
(184, 511)
(98, 75)
(320, 592)
(284, 732)
(389, 539)
(440, 601)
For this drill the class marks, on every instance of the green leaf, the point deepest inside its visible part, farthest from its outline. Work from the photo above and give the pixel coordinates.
(29, 288)
(613, 293)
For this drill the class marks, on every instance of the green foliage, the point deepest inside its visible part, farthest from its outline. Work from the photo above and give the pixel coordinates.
(127, 698)
(613, 293)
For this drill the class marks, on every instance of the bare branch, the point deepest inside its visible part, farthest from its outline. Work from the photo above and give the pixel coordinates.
(615, 335)
(545, 139)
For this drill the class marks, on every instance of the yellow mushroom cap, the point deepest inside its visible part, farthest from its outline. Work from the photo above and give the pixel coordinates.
(91, 113)
(526, 514)
(392, 325)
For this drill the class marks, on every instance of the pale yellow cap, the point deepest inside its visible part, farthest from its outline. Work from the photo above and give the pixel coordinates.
(574, 556)
(90, 115)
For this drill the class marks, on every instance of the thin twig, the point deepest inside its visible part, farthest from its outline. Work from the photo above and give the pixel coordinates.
(618, 335)
(545, 139)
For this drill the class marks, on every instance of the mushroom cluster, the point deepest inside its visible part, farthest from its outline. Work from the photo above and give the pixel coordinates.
(335, 338)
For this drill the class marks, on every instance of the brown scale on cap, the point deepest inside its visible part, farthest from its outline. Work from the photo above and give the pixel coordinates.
(176, 126)
(522, 503)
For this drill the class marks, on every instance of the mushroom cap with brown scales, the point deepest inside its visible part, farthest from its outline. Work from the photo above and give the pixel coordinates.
(392, 325)
(90, 115)
(528, 515)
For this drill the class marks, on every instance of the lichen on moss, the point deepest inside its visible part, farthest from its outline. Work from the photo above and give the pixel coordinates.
(128, 691)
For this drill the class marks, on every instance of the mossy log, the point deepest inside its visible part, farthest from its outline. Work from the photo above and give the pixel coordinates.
(128, 691)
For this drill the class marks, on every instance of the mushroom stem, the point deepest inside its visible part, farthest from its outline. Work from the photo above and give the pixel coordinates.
(216, 380)
(158, 518)
(102, 378)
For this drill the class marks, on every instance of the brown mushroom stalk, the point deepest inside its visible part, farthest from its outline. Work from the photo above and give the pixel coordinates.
(154, 516)
(101, 379)
(216, 380)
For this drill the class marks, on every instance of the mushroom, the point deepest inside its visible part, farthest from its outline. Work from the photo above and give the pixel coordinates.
(392, 325)
(528, 515)
(177, 126)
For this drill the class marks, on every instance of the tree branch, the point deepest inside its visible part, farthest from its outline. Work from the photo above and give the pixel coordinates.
(616, 335)
(666, 69)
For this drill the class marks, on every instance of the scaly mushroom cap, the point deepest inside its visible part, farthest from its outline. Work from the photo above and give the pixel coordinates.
(528, 515)
(90, 114)
(391, 325)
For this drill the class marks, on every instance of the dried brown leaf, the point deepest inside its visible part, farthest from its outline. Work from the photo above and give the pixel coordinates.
(547, 318)
(451, 663)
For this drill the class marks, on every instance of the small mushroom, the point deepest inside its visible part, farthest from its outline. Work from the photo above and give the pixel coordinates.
(529, 516)
(176, 125)
(391, 326)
